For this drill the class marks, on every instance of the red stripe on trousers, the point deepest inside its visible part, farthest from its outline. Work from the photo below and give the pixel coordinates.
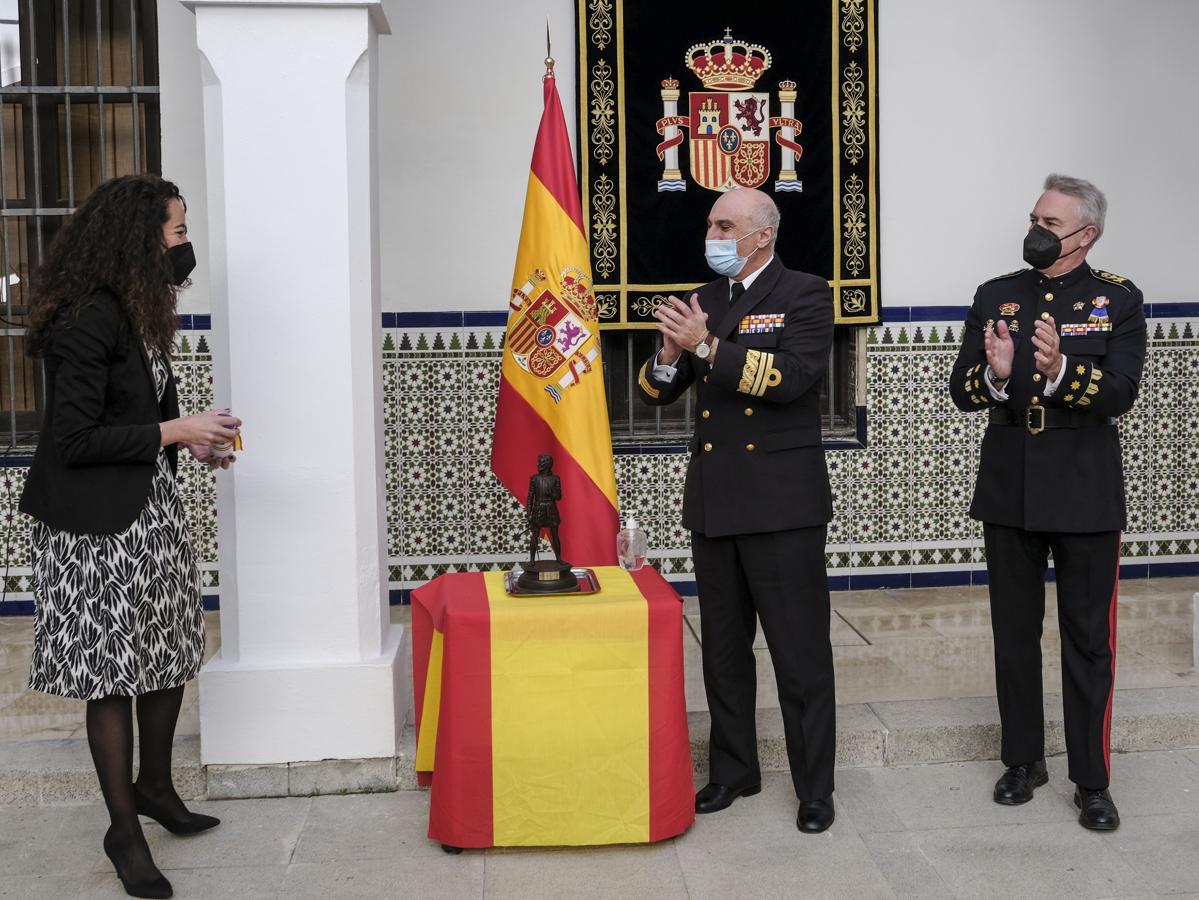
(460, 805)
(1111, 643)
(589, 520)
(671, 788)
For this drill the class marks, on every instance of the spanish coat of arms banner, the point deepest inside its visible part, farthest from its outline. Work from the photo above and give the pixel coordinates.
(678, 103)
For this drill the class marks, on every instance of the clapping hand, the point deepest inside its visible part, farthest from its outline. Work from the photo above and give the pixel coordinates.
(682, 326)
(1000, 350)
(1049, 353)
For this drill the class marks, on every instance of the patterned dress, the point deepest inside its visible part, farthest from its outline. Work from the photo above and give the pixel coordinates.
(119, 614)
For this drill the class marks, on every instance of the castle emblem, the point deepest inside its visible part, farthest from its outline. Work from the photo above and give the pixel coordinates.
(554, 337)
(730, 123)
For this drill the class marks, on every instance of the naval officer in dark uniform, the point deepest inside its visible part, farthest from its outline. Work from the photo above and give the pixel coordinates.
(755, 344)
(1052, 354)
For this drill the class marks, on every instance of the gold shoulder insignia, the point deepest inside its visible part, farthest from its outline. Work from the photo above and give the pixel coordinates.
(1007, 275)
(1114, 279)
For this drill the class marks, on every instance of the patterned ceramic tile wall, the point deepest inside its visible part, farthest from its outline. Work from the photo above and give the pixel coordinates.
(900, 501)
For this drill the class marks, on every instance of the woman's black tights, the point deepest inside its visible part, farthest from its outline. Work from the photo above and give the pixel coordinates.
(110, 737)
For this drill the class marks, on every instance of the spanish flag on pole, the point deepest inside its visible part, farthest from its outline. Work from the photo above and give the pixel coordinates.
(551, 397)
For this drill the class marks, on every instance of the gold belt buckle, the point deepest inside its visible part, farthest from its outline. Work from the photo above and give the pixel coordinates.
(1034, 425)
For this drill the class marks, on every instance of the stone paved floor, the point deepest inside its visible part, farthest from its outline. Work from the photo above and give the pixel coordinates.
(920, 644)
(922, 831)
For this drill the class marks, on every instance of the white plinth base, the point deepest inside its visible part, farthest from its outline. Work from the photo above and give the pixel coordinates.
(260, 715)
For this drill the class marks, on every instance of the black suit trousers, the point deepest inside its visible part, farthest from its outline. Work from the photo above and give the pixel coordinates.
(1087, 574)
(779, 576)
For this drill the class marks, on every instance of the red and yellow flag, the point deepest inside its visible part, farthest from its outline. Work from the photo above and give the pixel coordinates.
(551, 397)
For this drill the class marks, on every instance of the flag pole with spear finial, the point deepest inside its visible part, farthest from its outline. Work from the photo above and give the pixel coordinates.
(549, 59)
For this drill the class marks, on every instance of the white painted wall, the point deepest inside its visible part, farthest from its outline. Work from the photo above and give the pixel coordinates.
(459, 102)
(980, 100)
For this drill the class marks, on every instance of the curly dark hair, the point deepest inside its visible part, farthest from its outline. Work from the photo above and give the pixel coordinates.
(112, 242)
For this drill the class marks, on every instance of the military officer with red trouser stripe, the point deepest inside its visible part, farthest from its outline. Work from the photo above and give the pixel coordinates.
(1051, 354)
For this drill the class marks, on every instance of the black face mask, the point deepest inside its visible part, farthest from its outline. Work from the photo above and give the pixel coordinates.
(1042, 248)
(182, 258)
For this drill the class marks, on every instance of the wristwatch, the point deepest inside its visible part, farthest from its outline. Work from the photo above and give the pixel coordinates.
(704, 348)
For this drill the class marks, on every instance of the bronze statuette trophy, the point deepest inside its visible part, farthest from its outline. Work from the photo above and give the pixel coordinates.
(545, 576)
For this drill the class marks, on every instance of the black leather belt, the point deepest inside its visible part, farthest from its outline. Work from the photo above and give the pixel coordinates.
(1037, 418)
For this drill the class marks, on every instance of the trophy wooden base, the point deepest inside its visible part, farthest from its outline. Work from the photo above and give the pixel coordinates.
(547, 576)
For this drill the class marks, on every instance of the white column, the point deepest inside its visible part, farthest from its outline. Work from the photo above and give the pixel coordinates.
(310, 667)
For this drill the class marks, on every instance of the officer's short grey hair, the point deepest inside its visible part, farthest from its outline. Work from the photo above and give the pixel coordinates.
(1092, 205)
(766, 212)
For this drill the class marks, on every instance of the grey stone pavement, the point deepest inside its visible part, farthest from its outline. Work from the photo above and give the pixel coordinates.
(914, 831)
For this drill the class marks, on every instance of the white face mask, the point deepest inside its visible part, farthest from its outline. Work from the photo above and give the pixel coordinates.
(722, 255)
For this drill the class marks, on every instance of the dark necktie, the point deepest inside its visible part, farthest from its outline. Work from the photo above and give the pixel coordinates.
(738, 290)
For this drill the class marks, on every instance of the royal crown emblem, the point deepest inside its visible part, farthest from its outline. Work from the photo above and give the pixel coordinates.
(730, 123)
(552, 336)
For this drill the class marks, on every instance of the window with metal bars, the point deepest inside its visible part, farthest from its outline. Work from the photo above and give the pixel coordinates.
(635, 422)
(78, 105)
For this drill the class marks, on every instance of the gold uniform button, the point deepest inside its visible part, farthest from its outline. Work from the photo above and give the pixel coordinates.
(1036, 401)
(749, 447)
(1049, 296)
(1044, 317)
(705, 414)
(707, 447)
(748, 411)
(1036, 377)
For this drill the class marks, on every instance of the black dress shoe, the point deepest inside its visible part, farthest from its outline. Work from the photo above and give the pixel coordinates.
(715, 797)
(152, 886)
(1015, 786)
(1097, 810)
(815, 816)
(173, 816)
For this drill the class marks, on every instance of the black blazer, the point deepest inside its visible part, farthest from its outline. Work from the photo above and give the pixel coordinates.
(100, 436)
(757, 458)
(1067, 479)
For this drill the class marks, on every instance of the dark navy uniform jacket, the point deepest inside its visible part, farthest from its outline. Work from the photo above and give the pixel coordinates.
(1067, 479)
(757, 461)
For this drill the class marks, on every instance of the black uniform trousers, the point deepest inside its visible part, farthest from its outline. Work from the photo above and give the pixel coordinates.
(781, 577)
(1087, 574)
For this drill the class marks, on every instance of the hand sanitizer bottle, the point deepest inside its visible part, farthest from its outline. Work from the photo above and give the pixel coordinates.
(631, 546)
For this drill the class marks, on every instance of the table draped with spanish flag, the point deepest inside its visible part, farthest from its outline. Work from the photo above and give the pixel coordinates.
(551, 720)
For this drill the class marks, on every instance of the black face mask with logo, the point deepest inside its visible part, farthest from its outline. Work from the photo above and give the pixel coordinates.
(1042, 248)
(182, 258)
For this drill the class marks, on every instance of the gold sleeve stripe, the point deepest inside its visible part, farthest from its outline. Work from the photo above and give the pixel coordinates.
(1092, 387)
(758, 374)
(768, 375)
(749, 371)
(644, 383)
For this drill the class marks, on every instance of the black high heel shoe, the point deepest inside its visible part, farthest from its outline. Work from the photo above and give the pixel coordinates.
(154, 888)
(187, 823)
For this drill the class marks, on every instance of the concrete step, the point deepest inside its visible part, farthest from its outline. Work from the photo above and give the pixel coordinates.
(890, 733)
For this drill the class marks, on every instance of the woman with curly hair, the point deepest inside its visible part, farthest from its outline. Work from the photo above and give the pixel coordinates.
(118, 613)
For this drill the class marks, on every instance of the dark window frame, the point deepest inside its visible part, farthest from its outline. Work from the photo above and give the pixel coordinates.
(85, 110)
